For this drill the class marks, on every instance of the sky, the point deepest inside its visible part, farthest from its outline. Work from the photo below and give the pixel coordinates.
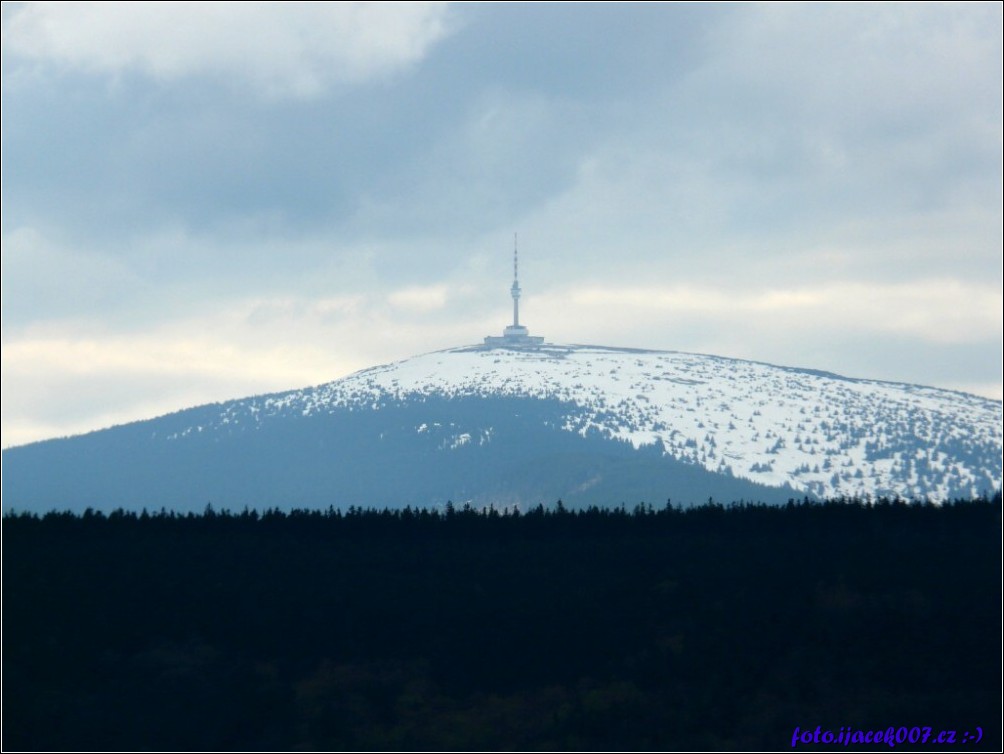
(205, 201)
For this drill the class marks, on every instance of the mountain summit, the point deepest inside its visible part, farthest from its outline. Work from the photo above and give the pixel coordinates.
(515, 421)
(522, 425)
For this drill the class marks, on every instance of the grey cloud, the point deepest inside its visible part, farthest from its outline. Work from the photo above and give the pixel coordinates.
(728, 147)
(291, 51)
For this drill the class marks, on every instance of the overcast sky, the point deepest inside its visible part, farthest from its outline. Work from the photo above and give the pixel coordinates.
(210, 200)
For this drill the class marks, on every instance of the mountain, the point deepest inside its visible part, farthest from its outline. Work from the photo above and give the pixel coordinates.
(584, 424)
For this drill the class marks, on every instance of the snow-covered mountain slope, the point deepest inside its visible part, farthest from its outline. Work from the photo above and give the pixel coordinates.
(481, 422)
(821, 433)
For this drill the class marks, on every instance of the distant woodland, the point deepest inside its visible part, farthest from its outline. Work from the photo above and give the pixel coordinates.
(707, 628)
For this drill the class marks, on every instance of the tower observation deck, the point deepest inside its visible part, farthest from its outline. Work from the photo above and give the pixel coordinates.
(515, 335)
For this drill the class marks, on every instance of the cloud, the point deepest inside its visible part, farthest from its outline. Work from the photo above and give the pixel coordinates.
(280, 49)
(58, 376)
(937, 311)
(419, 299)
(39, 274)
(299, 190)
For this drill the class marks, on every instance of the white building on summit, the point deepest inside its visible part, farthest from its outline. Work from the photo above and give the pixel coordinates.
(515, 335)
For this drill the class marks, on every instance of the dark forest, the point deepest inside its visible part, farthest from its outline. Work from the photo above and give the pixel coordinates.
(707, 628)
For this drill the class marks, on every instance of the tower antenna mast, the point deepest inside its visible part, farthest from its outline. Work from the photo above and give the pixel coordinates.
(515, 282)
(515, 335)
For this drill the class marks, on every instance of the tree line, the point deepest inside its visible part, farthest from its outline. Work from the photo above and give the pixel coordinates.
(709, 627)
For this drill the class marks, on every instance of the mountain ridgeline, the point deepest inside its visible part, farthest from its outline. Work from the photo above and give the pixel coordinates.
(518, 426)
